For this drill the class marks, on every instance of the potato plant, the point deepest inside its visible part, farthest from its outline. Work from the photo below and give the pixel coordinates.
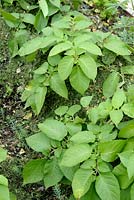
(94, 153)
(90, 147)
(72, 52)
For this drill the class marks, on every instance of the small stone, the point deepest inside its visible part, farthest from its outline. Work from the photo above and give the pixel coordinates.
(18, 70)
(22, 151)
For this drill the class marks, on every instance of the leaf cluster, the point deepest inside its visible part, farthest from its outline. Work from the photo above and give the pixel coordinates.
(72, 54)
(85, 152)
(94, 152)
(4, 191)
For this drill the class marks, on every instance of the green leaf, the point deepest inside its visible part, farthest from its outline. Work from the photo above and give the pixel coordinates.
(128, 69)
(103, 166)
(90, 47)
(71, 156)
(4, 192)
(123, 124)
(110, 84)
(100, 36)
(119, 98)
(44, 7)
(82, 38)
(93, 128)
(132, 192)
(3, 154)
(106, 128)
(128, 109)
(13, 47)
(65, 67)
(129, 145)
(88, 66)
(108, 57)
(85, 101)
(52, 9)
(69, 171)
(40, 22)
(73, 128)
(26, 6)
(62, 23)
(91, 194)
(114, 43)
(31, 102)
(10, 19)
(89, 164)
(21, 37)
(81, 182)
(73, 109)
(54, 60)
(107, 187)
(60, 48)
(53, 129)
(3, 180)
(39, 96)
(61, 110)
(71, 197)
(31, 58)
(58, 85)
(83, 137)
(127, 159)
(82, 23)
(107, 136)
(12, 196)
(42, 69)
(33, 171)
(8, 1)
(39, 142)
(127, 131)
(55, 3)
(35, 44)
(125, 194)
(121, 173)
(79, 80)
(116, 116)
(100, 112)
(93, 115)
(52, 173)
(28, 18)
(110, 149)
(130, 94)
(58, 33)
(104, 108)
